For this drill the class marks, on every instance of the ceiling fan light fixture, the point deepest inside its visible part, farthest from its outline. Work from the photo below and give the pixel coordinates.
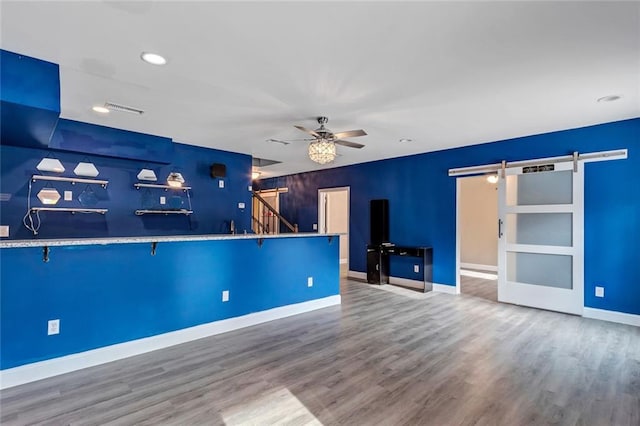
(322, 151)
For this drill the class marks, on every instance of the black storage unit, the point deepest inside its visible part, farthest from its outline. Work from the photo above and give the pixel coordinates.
(379, 210)
(378, 262)
(377, 265)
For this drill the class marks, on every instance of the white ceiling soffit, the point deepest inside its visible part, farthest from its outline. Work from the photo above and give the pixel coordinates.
(443, 74)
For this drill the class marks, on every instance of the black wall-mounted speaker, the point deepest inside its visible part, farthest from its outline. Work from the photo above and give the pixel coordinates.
(379, 221)
(218, 170)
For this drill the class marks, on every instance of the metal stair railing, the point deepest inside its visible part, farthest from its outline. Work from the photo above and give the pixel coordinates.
(267, 228)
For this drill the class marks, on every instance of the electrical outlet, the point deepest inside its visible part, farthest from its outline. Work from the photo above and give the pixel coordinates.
(53, 327)
(599, 291)
(68, 195)
(163, 200)
(309, 281)
(241, 205)
(4, 231)
(416, 268)
(220, 183)
(315, 226)
(225, 295)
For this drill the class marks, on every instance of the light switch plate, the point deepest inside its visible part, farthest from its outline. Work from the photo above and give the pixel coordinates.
(315, 226)
(53, 327)
(416, 268)
(4, 231)
(163, 200)
(220, 183)
(225, 295)
(309, 281)
(241, 205)
(599, 291)
(250, 188)
(68, 195)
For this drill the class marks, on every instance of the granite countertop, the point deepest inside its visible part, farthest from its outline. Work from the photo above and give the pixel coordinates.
(159, 239)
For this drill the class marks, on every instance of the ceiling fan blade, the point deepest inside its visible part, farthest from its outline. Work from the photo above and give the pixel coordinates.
(311, 132)
(348, 143)
(350, 134)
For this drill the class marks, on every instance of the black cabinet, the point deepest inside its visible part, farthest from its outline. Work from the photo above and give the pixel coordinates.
(377, 265)
(378, 262)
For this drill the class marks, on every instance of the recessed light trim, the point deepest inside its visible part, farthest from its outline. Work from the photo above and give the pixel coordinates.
(153, 58)
(100, 109)
(609, 98)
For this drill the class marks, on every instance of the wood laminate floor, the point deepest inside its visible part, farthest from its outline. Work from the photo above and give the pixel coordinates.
(479, 287)
(379, 359)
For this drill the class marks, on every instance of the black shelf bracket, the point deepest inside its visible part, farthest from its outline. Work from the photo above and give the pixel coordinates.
(260, 241)
(154, 246)
(45, 254)
(330, 238)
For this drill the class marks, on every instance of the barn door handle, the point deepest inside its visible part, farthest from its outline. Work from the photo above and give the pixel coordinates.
(500, 228)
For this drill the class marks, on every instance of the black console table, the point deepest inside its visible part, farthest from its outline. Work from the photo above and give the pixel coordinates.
(378, 262)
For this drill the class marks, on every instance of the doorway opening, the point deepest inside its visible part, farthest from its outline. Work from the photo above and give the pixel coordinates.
(333, 218)
(478, 237)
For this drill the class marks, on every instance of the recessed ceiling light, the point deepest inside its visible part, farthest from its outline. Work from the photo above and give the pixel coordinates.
(100, 109)
(609, 98)
(153, 58)
(405, 140)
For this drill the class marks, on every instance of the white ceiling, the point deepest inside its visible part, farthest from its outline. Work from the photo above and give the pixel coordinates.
(443, 74)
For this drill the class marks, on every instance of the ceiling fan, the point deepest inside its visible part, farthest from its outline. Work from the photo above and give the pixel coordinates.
(322, 147)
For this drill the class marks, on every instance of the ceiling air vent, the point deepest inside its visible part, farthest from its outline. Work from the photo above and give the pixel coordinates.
(123, 108)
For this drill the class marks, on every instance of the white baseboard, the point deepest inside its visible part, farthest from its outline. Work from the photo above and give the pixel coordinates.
(443, 288)
(407, 282)
(53, 367)
(438, 288)
(490, 268)
(476, 274)
(612, 316)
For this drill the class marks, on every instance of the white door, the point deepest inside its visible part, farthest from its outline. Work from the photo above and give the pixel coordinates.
(540, 246)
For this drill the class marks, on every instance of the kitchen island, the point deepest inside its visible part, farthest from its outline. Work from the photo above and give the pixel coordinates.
(117, 297)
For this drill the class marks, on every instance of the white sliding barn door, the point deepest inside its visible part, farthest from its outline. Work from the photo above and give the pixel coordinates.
(540, 246)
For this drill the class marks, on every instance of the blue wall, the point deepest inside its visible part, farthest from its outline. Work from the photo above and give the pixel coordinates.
(111, 294)
(422, 204)
(213, 207)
